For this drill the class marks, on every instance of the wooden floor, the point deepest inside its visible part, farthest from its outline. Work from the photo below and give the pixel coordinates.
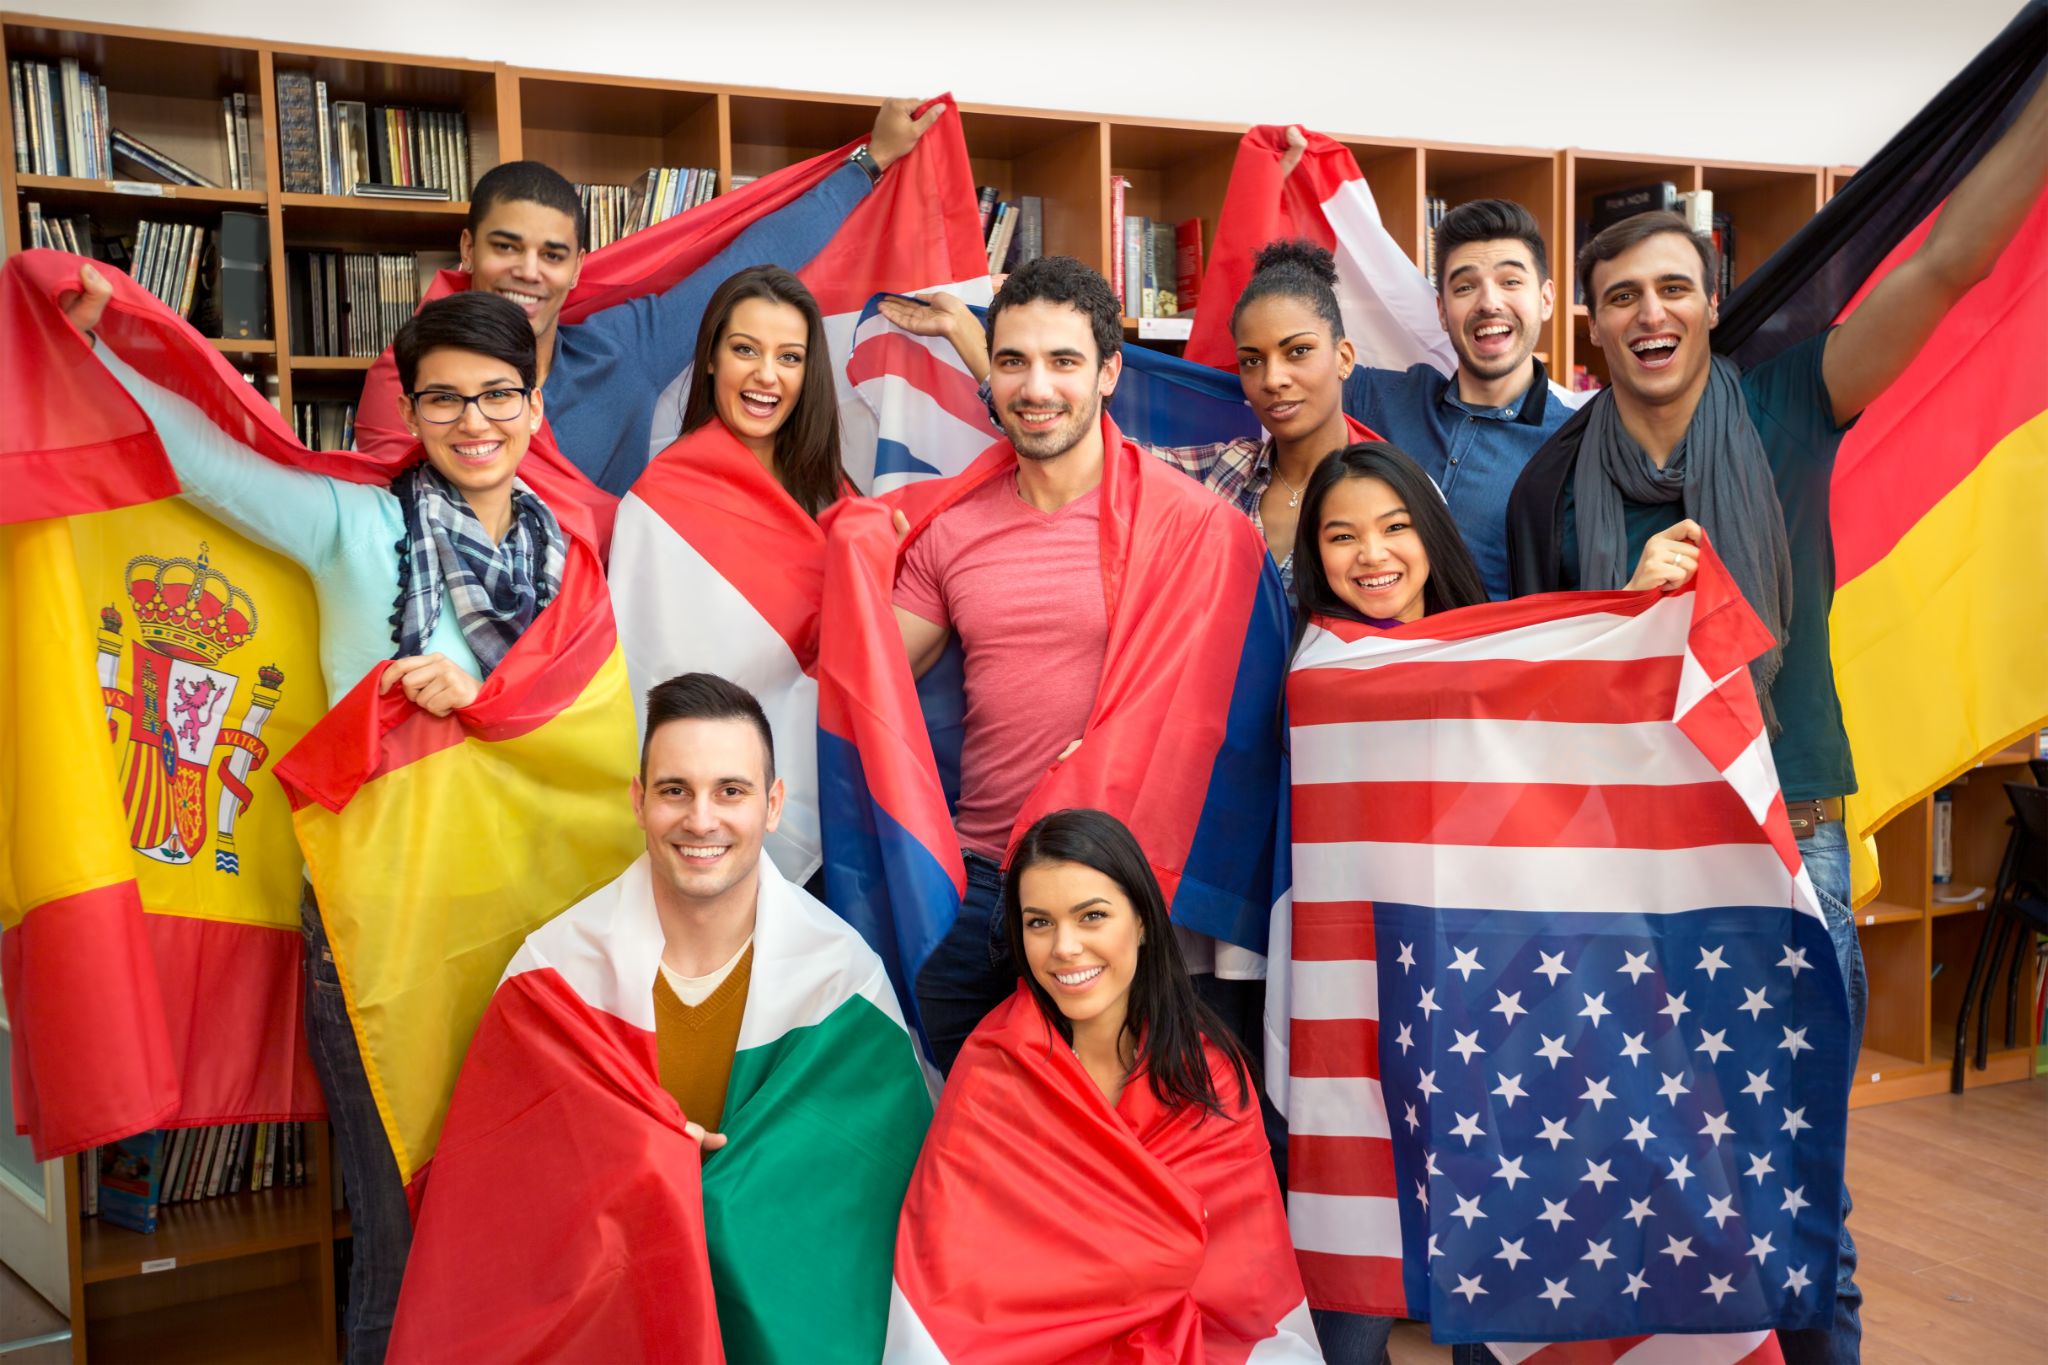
(1951, 1224)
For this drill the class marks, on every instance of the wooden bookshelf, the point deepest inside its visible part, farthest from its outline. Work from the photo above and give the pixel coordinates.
(239, 1277)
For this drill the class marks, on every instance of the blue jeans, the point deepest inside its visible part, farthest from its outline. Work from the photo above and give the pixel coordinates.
(970, 972)
(380, 1221)
(1827, 863)
(1352, 1338)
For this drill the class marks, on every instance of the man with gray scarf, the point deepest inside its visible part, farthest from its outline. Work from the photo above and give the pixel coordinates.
(1683, 443)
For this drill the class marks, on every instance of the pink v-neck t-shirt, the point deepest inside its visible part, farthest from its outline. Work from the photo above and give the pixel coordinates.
(1022, 589)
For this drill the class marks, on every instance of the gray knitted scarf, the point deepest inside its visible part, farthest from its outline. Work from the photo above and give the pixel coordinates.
(1722, 478)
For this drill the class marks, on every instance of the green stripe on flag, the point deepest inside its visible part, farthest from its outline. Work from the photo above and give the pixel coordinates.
(823, 1128)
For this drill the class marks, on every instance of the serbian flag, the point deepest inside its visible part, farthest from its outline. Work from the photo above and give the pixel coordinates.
(1182, 744)
(1560, 1038)
(156, 662)
(1389, 308)
(436, 844)
(623, 1242)
(1939, 626)
(709, 527)
(1155, 1234)
(921, 235)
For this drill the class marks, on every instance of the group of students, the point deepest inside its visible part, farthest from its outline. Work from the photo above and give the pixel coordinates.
(1382, 496)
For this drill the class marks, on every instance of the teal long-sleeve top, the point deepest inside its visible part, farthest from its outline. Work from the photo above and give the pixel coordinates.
(344, 535)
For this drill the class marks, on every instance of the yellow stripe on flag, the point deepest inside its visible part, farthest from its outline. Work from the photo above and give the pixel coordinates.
(1941, 647)
(62, 816)
(434, 874)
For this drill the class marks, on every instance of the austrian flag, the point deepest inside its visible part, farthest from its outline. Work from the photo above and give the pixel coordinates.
(1562, 1035)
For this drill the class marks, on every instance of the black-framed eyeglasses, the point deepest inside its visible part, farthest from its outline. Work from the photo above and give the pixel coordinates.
(441, 407)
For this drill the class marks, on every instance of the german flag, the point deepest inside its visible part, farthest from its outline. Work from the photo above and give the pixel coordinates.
(1940, 625)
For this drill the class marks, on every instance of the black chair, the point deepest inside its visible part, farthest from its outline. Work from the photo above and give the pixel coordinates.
(2018, 910)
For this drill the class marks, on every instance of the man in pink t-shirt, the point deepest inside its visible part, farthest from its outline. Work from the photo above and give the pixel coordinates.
(1015, 570)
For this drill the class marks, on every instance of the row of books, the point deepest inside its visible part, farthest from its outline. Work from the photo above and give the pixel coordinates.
(325, 425)
(373, 151)
(127, 1182)
(613, 211)
(347, 302)
(169, 260)
(1013, 230)
(1434, 207)
(60, 119)
(1158, 270)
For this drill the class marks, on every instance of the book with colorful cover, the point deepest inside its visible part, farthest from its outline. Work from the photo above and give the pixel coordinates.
(1187, 263)
(131, 1175)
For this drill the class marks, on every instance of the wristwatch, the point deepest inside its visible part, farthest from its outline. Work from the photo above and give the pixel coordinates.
(865, 159)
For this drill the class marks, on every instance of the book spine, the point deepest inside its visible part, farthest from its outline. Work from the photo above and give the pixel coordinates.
(326, 139)
(18, 114)
(1148, 259)
(462, 180)
(67, 90)
(244, 155)
(985, 205)
(298, 142)
(104, 147)
(1117, 184)
(35, 225)
(51, 102)
(1134, 266)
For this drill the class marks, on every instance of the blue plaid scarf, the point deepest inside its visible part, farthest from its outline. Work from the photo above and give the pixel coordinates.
(497, 588)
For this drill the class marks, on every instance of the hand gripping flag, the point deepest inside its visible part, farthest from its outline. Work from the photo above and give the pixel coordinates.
(1181, 745)
(1563, 1039)
(155, 662)
(1389, 309)
(918, 230)
(1045, 1225)
(436, 844)
(1940, 655)
(714, 568)
(614, 1246)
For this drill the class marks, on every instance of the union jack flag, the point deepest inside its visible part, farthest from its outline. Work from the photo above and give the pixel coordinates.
(1560, 1036)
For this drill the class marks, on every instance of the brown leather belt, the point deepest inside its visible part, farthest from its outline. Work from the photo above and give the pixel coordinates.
(1808, 816)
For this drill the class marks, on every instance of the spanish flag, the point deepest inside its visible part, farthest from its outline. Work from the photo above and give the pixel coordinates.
(1940, 626)
(436, 844)
(152, 663)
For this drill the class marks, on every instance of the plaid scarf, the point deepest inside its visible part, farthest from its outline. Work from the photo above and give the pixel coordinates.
(497, 588)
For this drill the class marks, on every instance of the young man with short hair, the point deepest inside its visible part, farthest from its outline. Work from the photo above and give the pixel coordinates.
(1475, 431)
(607, 373)
(1016, 568)
(699, 1014)
(1682, 442)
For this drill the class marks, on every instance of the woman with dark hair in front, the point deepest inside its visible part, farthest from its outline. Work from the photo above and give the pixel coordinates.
(1376, 545)
(1099, 1129)
(430, 581)
(726, 518)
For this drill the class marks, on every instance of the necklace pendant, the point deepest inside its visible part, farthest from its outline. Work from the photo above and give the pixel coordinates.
(1294, 500)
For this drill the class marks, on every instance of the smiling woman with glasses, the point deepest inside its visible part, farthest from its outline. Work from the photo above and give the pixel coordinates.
(469, 556)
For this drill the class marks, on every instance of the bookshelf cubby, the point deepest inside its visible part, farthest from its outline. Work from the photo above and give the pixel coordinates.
(242, 1277)
(600, 132)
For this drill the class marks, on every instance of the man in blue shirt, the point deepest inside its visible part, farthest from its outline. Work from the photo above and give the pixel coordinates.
(606, 374)
(1474, 431)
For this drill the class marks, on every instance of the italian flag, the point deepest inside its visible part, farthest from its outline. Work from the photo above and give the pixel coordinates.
(567, 1216)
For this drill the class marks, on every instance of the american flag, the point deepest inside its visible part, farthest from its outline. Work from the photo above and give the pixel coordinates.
(1561, 1033)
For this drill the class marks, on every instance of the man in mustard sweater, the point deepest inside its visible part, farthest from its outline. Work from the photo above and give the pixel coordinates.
(699, 1003)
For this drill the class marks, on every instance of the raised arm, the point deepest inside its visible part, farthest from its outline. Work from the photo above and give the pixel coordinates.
(289, 510)
(663, 327)
(1879, 340)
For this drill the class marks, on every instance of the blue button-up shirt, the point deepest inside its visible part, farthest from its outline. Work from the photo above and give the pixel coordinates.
(1475, 454)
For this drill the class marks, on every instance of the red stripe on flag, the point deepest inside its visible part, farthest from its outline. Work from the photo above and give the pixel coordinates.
(1582, 691)
(1332, 931)
(234, 1003)
(1353, 1284)
(1525, 815)
(1340, 1165)
(92, 1059)
(1333, 1048)
(1726, 721)
(893, 355)
(1493, 618)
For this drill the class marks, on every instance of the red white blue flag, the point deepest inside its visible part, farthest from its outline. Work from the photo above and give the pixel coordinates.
(1560, 1038)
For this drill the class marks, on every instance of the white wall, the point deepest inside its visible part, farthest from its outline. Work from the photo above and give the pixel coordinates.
(1764, 80)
